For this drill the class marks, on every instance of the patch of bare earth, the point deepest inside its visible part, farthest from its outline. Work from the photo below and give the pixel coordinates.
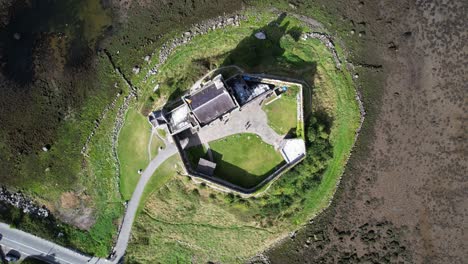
(404, 195)
(76, 209)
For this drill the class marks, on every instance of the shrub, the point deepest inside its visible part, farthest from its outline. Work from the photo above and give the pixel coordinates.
(305, 176)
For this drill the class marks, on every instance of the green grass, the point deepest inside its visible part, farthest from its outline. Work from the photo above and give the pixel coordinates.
(187, 225)
(161, 176)
(133, 150)
(346, 121)
(183, 221)
(65, 169)
(162, 133)
(156, 143)
(282, 113)
(101, 180)
(244, 159)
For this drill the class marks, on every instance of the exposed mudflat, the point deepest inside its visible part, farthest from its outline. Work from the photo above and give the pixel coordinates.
(404, 194)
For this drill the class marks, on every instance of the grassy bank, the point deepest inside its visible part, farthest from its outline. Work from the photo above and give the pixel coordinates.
(133, 150)
(189, 222)
(91, 178)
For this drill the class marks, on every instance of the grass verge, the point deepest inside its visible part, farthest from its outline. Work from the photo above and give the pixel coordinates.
(133, 150)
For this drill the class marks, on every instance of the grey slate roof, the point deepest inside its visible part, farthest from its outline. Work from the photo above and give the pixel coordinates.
(210, 103)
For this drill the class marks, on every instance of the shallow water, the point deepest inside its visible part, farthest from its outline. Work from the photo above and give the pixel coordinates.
(81, 23)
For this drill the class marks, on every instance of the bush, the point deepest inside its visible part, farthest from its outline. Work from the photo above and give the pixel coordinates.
(305, 176)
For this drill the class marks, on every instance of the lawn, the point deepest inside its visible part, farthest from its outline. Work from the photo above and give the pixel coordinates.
(187, 222)
(156, 143)
(282, 112)
(133, 150)
(244, 159)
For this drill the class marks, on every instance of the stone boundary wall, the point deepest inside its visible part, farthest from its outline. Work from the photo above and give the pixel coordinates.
(23, 203)
(327, 41)
(225, 186)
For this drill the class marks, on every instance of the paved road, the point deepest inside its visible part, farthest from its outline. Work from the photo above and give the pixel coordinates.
(134, 202)
(30, 245)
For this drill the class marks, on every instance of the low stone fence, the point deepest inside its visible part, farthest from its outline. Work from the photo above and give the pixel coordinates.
(327, 41)
(21, 202)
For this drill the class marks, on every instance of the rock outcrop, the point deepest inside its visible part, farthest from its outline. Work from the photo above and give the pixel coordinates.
(20, 201)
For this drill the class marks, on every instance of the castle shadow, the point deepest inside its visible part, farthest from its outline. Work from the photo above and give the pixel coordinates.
(263, 52)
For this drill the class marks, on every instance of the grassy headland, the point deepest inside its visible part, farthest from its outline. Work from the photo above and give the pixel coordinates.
(187, 221)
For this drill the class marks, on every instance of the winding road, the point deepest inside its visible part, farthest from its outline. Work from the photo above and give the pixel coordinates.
(132, 207)
(32, 246)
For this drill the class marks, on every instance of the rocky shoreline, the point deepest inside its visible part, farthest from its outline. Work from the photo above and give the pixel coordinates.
(20, 201)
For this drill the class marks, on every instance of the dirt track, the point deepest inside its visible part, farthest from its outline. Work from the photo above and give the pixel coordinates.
(404, 194)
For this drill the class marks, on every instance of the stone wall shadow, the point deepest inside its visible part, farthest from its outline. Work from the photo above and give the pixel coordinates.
(252, 51)
(235, 170)
(267, 56)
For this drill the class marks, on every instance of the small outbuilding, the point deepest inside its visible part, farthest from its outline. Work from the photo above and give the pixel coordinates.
(293, 149)
(206, 167)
